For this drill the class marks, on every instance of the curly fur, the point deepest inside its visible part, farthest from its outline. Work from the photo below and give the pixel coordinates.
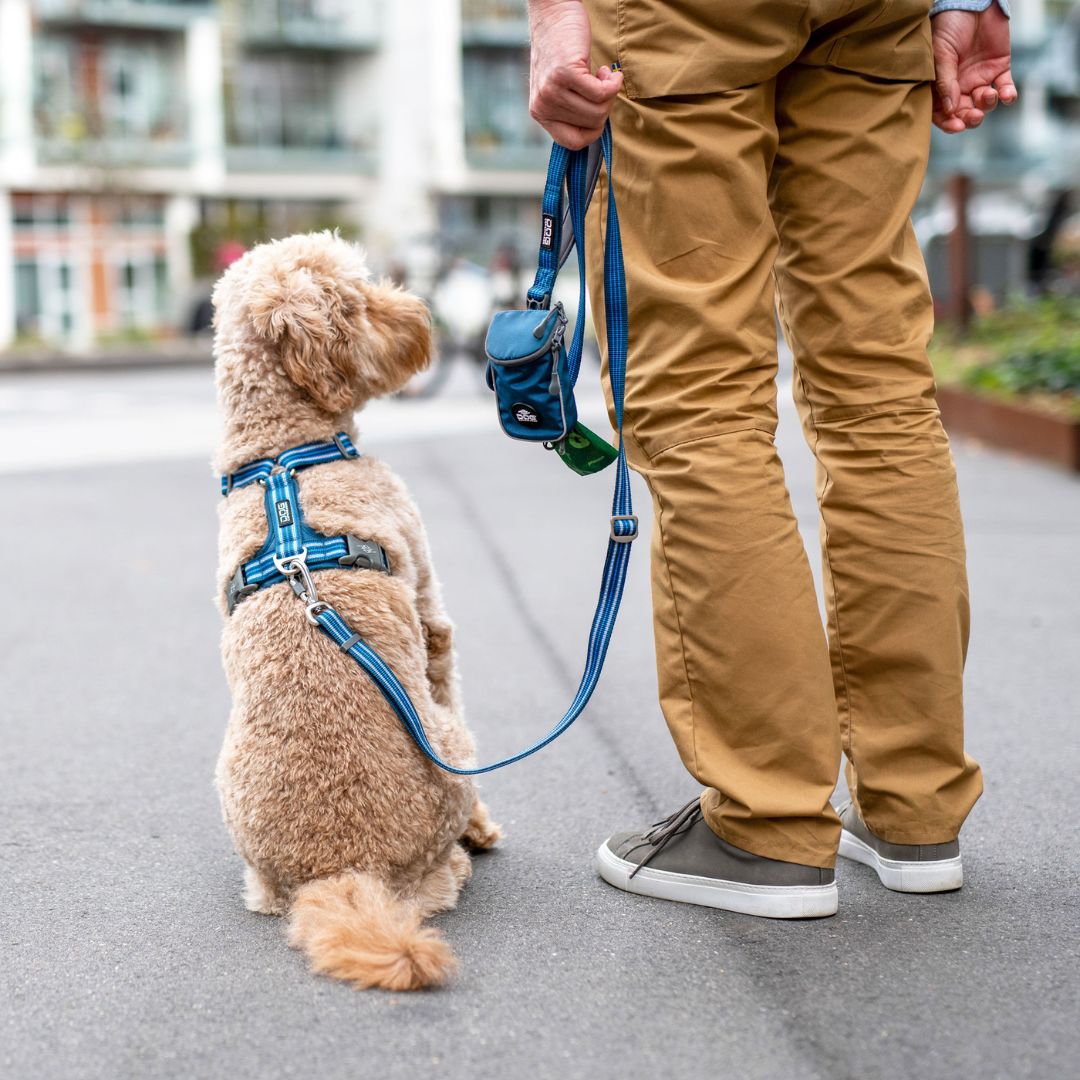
(343, 824)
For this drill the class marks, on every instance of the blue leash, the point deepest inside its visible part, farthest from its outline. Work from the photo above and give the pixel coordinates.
(569, 168)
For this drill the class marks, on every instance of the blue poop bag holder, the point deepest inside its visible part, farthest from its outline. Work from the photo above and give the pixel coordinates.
(533, 376)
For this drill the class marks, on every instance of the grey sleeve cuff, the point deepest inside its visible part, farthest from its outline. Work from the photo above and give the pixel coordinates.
(968, 5)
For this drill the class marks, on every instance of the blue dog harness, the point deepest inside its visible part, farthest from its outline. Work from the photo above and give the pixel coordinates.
(293, 550)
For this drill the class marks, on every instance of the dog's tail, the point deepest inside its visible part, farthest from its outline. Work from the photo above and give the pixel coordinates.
(353, 928)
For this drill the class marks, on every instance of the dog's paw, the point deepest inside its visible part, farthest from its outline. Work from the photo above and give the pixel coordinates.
(481, 833)
(259, 897)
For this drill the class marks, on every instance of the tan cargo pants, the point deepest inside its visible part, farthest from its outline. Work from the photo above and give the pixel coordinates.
(771, 151)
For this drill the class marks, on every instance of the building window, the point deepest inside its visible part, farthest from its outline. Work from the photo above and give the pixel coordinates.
(89, 266)
(283, 101)
(27, 299)
(118, 88)
(498, 128)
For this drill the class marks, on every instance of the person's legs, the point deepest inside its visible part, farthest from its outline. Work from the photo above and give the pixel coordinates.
(858, 315)
(744, 673)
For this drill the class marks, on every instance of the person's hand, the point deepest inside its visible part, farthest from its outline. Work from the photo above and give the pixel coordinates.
(971, 58)
(565, 98)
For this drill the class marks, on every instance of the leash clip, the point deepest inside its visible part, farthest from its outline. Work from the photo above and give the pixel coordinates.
(295, 568)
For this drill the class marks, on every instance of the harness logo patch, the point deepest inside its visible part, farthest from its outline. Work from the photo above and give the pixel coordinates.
(523, 414)
(547, 233)
(284, 512)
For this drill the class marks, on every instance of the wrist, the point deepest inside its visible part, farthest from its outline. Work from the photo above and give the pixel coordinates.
(540, 8)
(974, 7)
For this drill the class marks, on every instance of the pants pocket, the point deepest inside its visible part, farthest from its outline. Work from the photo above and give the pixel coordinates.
(891, 41)
(676, 47)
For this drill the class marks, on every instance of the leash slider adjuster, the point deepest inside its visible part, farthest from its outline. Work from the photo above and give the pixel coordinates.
(624, 538)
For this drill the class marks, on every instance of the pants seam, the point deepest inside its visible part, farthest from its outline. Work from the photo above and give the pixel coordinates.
(870, 411)
(679, 626)
(771, 432)
(825, 524)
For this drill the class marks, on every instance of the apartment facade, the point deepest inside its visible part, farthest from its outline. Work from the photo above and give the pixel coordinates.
(144, 142)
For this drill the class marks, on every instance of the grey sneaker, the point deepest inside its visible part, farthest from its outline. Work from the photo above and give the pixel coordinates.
(681, 858)
(912, 868)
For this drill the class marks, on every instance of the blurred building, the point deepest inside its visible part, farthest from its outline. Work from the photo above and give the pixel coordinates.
(144, 142)
(1024, 163)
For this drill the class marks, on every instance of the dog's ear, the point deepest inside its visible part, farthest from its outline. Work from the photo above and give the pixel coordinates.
(400, 343)
(313, 320)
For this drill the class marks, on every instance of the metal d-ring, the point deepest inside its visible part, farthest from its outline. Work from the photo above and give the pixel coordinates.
(290, 564)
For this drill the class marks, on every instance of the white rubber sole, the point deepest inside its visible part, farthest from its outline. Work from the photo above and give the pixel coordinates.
(768, 901)
(942, 875)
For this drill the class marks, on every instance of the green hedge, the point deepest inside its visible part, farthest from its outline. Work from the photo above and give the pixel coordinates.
(1028, 351)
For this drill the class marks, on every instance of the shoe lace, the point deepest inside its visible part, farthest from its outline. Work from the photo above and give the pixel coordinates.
(661, 833)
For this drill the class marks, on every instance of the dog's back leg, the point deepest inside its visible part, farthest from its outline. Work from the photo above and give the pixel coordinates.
(262, 894)
(440, 886)
(481, 832)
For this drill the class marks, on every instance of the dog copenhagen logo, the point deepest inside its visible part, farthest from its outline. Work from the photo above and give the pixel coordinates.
(523, 414)
(547, 235)
(284, 513)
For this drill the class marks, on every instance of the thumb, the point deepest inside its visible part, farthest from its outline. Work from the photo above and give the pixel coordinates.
(948, 85)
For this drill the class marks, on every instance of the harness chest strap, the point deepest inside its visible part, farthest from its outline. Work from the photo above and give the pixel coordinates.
(289, 539)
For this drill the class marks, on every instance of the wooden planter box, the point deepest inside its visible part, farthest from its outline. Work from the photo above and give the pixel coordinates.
(1011, 427)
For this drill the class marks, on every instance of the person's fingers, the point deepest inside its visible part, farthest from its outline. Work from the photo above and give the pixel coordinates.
(592, 88)
(951, 125)
(972, 117)
(574, 109)
(1006, 91)
(570, 136)
(985, 98)
(945, 80)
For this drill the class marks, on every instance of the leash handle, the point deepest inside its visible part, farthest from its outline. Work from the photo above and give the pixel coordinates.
(574, 171)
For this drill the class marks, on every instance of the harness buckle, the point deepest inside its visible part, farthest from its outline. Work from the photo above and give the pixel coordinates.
(238, 589)
(627, 537)
(366, 554)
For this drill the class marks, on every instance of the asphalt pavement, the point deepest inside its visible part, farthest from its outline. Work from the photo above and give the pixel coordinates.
(125, 949)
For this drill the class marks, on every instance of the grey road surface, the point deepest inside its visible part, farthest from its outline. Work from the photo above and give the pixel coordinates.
(125, 950)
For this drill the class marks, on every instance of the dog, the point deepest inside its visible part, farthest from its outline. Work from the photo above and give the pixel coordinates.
(343, 824)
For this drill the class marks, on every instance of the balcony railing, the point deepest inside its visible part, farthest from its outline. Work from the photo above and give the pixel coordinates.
(113, 153)
(299, 159)
(143, 14)
(330, 25)
(494, 22)
(510, 156)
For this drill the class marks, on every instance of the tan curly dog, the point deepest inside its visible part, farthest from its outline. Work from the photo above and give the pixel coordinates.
(343, 824)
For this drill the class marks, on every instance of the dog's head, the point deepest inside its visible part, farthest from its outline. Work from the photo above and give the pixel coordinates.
(307, 306)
